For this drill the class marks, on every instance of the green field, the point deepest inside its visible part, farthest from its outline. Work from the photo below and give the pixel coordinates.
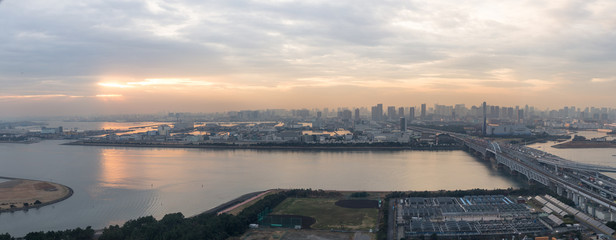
(328, 215)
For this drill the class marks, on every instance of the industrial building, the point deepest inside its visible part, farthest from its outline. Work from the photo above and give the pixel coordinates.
(470, 216)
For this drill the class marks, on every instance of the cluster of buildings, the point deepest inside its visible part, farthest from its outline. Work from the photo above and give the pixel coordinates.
(494, 120)
(378, 123)
(487, 217)
(279, 133)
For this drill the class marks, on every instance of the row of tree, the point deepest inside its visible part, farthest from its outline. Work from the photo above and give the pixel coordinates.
(176, 226)
(70, 234)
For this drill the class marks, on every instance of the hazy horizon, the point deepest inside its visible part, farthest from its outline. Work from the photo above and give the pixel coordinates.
(120, 57)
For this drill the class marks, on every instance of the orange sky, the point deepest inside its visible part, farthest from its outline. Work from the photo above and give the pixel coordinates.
(60, 58)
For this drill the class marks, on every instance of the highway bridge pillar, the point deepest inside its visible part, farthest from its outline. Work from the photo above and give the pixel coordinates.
(581, 203)
(592, 210)
(559, 190)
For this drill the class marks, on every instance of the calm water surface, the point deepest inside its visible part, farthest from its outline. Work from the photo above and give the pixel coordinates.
(115, 184)
(602, 156)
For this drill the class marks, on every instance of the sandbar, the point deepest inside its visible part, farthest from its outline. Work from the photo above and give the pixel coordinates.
(22, 194)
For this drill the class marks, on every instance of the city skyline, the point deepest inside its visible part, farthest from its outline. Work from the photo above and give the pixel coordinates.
(63, 58)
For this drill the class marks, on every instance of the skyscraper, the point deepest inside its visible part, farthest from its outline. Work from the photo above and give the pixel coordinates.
(391, 113)
(520, 116)
(411, 113)
(484, 126)
(423, 111)
(377, 112)
(403, 124)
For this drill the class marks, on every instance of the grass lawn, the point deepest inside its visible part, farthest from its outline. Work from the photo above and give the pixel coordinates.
(328, 215)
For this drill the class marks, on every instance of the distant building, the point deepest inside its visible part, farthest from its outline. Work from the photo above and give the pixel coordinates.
(346, 115)
(504, 130)
(377, 112)
(184, 124)
(164, 130)
(46, 130)
(403, 124)
(485, 116)
(423, 111)
(391, 112)
(520, 116)
(411, 113)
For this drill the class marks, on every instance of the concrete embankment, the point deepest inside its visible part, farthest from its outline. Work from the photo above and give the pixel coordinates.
(585, 144)
(307, 147)
(233, 203)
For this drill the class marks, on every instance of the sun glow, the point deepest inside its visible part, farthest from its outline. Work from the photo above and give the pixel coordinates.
(108, 95)
(152, 82)
(114, 85)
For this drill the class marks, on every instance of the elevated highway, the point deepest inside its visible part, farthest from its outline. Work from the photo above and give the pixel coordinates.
(583, 183)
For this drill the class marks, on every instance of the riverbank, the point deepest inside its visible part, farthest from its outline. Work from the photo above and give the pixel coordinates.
(585, 144)
(233, 203)
(310, 147)
(23, 194)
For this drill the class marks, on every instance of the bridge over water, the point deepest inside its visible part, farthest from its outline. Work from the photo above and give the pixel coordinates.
(583, 183)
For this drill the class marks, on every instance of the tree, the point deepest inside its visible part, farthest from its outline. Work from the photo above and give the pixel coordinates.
(433, 236)
(6, 236)
(611, 224)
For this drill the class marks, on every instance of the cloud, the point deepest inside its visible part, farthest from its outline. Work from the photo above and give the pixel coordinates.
(602, 80)
(69, 48)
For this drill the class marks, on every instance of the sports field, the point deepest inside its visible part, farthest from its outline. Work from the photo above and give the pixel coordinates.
(329, 216)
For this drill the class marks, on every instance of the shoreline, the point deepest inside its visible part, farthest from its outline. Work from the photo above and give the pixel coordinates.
(266, 147)
(235, 202)
(585, 144)
(42, 204)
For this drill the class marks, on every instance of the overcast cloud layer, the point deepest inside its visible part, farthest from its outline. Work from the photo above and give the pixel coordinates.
(121, 56)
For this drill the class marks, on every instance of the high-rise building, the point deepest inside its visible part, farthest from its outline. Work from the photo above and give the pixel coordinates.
(401, 112)
(423, 111)
(485, 124)
(411, 113)
(357, 115)
(346, 115)
(391, 112)
(520, 115)
(377, 112)
(403, 124)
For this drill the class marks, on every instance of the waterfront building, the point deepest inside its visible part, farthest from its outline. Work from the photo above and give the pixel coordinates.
(164, 130)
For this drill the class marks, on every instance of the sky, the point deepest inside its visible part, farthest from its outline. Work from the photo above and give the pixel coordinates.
(112, 57)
